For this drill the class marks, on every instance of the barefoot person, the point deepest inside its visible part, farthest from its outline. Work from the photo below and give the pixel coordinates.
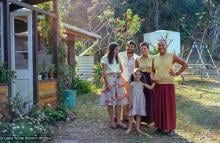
(164, 91)
(128, 64)
(137, 102)
(113, 93)
(144, 62)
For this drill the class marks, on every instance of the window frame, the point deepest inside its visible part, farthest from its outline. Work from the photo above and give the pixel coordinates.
(1, 34)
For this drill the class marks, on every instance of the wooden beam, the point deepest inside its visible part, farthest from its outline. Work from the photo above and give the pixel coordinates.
(35, 47)
(31, 7)
(35, 1)
(71, 52)
(75, 34)
(7, 48)
(56, 43)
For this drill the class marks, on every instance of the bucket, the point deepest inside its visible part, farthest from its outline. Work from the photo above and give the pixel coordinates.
(70, 98)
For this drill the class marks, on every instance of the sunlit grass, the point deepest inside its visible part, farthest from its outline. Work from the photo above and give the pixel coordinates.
(198, 111)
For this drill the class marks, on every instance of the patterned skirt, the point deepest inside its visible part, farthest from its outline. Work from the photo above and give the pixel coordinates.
(116, 94)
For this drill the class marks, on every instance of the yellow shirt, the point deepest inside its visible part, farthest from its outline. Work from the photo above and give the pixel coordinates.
(163, 65)
(145, 63)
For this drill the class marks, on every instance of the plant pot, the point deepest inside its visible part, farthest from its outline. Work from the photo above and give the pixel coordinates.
(44, 76)
(69, 98)
(39, 77)
(51, 75)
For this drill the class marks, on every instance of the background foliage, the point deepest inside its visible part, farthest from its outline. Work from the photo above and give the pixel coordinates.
(196, 20)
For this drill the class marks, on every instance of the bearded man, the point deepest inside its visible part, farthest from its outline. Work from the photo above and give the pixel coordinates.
(127, 59)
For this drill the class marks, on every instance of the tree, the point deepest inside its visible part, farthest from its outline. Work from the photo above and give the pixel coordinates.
(120, 29)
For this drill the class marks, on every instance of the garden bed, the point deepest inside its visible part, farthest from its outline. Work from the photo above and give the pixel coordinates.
(3, 98)
(47, 92)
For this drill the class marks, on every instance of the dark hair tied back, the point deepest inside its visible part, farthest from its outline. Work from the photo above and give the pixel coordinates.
(144, 44)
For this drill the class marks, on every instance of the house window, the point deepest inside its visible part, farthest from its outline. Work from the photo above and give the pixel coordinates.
(1, 34)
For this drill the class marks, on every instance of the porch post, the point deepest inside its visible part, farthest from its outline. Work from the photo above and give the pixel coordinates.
(7, 47)
(56, 42)
(35, 47)
(71, 50)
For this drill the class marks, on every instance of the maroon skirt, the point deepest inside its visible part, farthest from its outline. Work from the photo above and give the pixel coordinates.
(164, 112)
(149, 100)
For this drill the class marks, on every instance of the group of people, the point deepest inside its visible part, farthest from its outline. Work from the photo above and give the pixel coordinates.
(140, 87)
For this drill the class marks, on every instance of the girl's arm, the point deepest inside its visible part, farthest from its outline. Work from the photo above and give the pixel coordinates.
(129, 96)
(149, 86)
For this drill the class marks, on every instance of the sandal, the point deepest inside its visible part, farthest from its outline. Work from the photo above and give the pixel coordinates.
(171, 133)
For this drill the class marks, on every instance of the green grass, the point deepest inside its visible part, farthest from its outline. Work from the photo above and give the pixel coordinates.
(198, 111)
(198, 115)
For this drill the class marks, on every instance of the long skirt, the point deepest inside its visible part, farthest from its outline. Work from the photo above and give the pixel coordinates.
(165, 106)
(149, 100)
(116, 94)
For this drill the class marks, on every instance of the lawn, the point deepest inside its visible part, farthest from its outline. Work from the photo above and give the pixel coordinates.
(198, 118)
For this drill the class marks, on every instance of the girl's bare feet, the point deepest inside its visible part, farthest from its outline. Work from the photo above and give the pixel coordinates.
(128, 131)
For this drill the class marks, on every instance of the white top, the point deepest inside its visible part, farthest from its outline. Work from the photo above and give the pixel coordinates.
(128, 65)
(111, 68)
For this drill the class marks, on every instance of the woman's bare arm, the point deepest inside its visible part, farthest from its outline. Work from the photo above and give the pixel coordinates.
(180, 61)
(104, 74)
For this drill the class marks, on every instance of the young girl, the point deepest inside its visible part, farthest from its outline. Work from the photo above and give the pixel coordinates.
(137, 100)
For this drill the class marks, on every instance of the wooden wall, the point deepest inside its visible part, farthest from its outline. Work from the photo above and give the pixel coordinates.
(47, 92)
(3, 99)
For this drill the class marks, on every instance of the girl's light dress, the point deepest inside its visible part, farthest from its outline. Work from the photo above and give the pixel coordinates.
(137, 100)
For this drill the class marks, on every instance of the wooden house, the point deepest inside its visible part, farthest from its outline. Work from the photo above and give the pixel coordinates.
(20, 53)
(19, 43)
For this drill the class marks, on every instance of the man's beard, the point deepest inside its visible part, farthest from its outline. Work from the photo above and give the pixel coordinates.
(130, 51)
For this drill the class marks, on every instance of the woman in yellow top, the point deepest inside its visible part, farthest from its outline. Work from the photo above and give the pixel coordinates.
(144, 62)
(164, 108)
(113, 93)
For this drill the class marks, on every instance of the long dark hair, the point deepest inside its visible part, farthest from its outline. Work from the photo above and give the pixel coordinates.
(110, 54)
(142, 76)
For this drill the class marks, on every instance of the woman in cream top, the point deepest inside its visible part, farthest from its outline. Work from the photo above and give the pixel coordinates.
(113, 93)
(111, 68)
(164, 92)
(144, 62)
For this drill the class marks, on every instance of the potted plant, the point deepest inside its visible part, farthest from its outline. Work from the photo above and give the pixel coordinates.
(42, 70)
(70, 85)
(51, 70)
(5, 74)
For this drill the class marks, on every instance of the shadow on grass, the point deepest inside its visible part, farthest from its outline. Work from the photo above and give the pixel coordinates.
(196, 113)
(203, 83)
